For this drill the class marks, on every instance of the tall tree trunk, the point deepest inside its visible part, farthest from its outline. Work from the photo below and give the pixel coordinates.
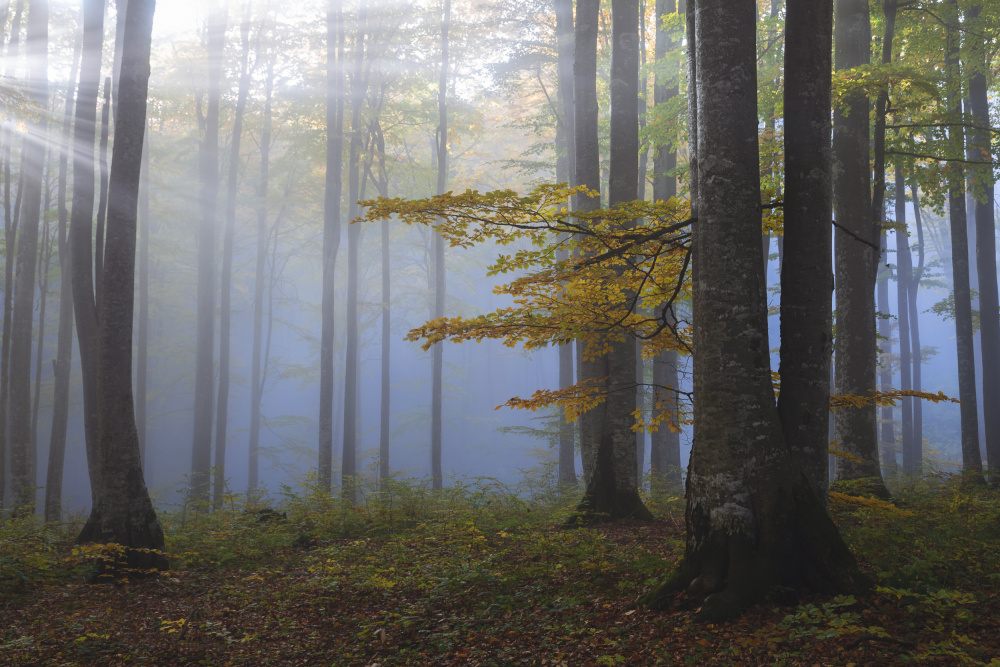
(225, 317)
(64, 344)
(566, 166)
(124, 514)
(22, 467)
(81, 229)
(256, 374)
(102, 190)
(587, 169)
(331, 231)
(437, 245)
(856, 258)
(887, 436)
(913, 463)
(806, 322)
(142, 325)
(904, 280)
(753, 520)
(208, 172)
(971, 460)
(986, 262)
(359, 87)
(612, 488)
(44, 265)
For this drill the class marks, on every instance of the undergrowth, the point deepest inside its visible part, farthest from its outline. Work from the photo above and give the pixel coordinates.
(481, 573)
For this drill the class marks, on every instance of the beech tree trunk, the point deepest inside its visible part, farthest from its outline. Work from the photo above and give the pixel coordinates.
(753, 519)
(232, 183)
(986, 261)
(208, 172)
(124, 514)
(437, 245)
(587, 169)
(142, 325)
(913, 462)
(64, 342)
(856, 259)
(904, 280)
(22, 467)
(971, 460)
(887, 435)
(331, 232)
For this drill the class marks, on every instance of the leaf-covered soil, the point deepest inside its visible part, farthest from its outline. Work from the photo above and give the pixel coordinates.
(501, 588)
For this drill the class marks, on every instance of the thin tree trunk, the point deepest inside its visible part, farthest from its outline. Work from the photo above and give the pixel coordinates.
(904, 280)
(971, 459)
(45, 264)
(232, 182)
(437, 245)
(256, 380)
(142, 332)
(587, 170)
(331, 232)
(913, 463)
(64, 345)
(986, 262)
(208, 172)
(102, 192)
(888, 431)
(22, 467)
(81, 228)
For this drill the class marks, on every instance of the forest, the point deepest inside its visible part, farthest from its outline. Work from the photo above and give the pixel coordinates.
(486, 332)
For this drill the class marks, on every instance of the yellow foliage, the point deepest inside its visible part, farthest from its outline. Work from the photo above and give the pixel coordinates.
(870, 502)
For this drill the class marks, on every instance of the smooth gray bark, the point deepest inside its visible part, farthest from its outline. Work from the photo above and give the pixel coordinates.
(904, 283)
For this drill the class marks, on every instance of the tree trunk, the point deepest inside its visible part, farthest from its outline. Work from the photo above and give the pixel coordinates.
(64, 345)
(22, 466)
(44, 265)
(888, 432)
(806, 322)
(208, 173)
(102, 190)
(856, 260)
(142, 325)
(256, 373)
(587, 169)
(913, 463)
(225, 317)
(566, 171)
(437, 252)
(986, 262)
(81, 229)
(331, 232)
(904, 280)
(971, 460)
(124, 514)
(612, 489)
(753, 520)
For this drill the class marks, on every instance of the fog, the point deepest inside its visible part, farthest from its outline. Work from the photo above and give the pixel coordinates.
(502, 134)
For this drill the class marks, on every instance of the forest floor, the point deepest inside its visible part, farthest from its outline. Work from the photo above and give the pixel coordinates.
(481, 576)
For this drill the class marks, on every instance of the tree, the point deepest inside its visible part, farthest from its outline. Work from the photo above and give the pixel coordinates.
(753, 519)
(331, 232)
(971, 460)
(64, 342)
(904, 283)
(208, 171)
(437, 252)
(986, 262)
(612, 487)
(81, 229)
(33, 164)
(124, 514)
(856, 255)
(232, 181)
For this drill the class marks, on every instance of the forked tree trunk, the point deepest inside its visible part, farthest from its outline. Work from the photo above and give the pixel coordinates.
(753, 519)
(124, 514)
